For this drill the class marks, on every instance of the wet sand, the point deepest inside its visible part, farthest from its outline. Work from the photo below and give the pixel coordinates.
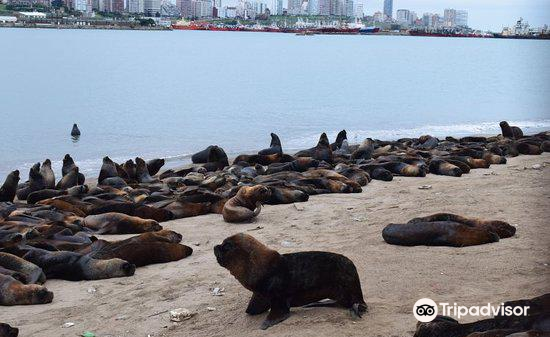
(392, 277)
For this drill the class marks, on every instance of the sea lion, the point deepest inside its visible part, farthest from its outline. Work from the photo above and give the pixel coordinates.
(503, 229)
(437, 233)
(68, 165)
(35, 183)
(73, 266)
(47, 173)
(343, 150)
(69, 180)
(108, 170)
(281, 281)
(321, 151)
(130, 168)
(377, 172)
(364, 151)
(340, 138)
(528, 148)
(216, 160)
(32, 273)
(9, 188)
(118, 223)
(182, 209)
(508, 131)
(142, 172)
(285, 195)
(246, 205)
(7, 331)
(201, 157)
(75, 132)
(442, 167)
(274, 147)
(13, 292)
(154, 166)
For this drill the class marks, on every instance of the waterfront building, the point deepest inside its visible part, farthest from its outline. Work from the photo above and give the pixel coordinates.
(378, 17)
(403, 16)
(80, 5)
(135, 6)
(184, 7)
(324, 7)
(359, 11)
(462, 18)
(349, 8)
(151, 7)
(313, 7)
(294, 7)
(427, 19)
(117, 6)
(388, 9)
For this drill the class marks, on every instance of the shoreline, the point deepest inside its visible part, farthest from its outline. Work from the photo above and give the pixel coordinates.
(393, 277)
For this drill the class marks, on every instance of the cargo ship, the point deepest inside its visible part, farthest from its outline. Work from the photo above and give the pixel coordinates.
(522, 31)
(414, 32)
(369, 30)
(193, 25)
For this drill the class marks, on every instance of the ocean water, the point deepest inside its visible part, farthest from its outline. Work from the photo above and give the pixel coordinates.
(170, 94)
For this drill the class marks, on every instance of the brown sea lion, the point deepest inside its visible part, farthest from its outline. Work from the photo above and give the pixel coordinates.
(37, 196)
(528, 148)
(442, 167)
(437, 233)
(69, 180)
(73, 266)
(35, 183)
(108, 169)
(274, 147)
(32, 273)
(118, 223)
(142, 172)
(281, 281)
(13, 292)
(364, 151)
(7, 331)
(285, 195)
(321, 151)
(47, 173)
(246, 205)
(9, 188)
(183, 209)
(510, 131)
(130, 168)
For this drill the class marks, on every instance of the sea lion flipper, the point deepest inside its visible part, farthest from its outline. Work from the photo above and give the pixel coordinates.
(258, 304)
(279, 312)
(357, 310)
(257, 209)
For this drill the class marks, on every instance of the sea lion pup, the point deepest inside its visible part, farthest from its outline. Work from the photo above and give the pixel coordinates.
(246, 204)
(442, 167)
(73, 266)
(364, 151)
(508, 131)
(9, 188)
(35, 183)
(69, 180)
(7, 331)
(154, 166)
(32, 273)
(281, 281)
(75, 132)
(118, 223)
(274, 147)
(13, 292)
(142, 172)
(47, 173)
(503, 229)
(108, 170)
(342, 135)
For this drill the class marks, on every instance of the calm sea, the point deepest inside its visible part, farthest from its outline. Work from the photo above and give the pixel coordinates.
(169, 94)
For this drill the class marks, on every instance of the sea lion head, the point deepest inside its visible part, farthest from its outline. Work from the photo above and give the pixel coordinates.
(246, 258)
(13, 178)
(95, 269)
(323, 140)
(275, 141)
(342, 135)
(504, 124)
(8, 331)
(255, 193)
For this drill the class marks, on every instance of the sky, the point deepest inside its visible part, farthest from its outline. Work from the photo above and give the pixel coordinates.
(482, 14)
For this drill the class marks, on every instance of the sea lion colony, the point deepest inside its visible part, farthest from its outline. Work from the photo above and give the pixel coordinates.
(49, 231)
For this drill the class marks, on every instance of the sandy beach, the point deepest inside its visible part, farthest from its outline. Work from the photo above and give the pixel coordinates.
(392, 277)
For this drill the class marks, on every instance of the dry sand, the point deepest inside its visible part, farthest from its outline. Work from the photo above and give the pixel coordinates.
(393, 277)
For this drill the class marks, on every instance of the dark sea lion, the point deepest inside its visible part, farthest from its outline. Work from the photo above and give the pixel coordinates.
(323, 151)
(246, 205)
(510, 131)
(474, 163)
(75, 131)
(7, 331)
(404, 169)
(9, 188)
(217, 159)
(183, 209)
(285, 195)
(274, 147)
(279, 282)
(33, 273)
(503, 229)
(69, 180)
(108, 169)
(13, 292)
(73, 266)
(342, 135)
(118, 223)
(464, 167)
(37, 196)
(142, 172)
(427, 142)
(154, 166)
(442, 167)
(116, 182)
(68, 164)
(47, 173)
(545, 146)
(364, 151)
(201, 157)
(130, 168)
(35, 183)
(529, 149)
(344, 149)
(377, 172)
(78, 190)
(437, 233)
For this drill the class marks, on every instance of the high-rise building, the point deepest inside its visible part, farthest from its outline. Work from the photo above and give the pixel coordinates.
(449, 17)
(135, 6)
(294, 7)
(359, 12)
(462, 18)
(117, 6)
(388, 8)
(427, 19)
(313, 7)
(324, 7)
(349, 8)
(403, 16)
(151, 7)
(184, 7)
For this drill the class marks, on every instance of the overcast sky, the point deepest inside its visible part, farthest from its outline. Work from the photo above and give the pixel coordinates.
(483, 14)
